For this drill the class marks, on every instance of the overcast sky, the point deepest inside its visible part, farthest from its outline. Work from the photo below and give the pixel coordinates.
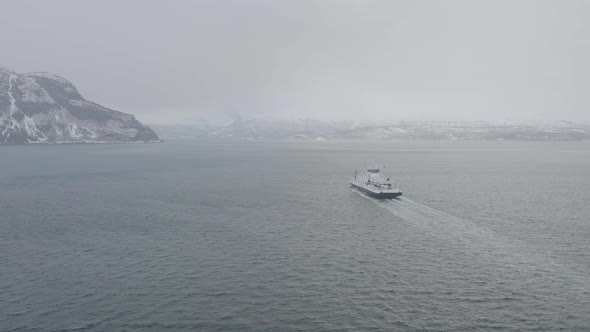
(175, 61)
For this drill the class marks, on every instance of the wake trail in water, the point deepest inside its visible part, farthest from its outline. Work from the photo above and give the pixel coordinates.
(434, 220)
(480, 240)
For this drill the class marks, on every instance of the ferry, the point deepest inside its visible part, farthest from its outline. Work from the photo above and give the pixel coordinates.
(372, 183)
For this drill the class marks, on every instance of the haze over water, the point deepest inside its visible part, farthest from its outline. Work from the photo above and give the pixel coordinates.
(268, 236)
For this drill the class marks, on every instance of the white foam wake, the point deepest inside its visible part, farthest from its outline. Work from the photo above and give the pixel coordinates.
(476, 238)
(433, 220)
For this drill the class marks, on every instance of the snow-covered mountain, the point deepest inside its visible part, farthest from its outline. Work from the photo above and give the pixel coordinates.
(46, 108)
(407, 130)
(470, 130)
(268, 129)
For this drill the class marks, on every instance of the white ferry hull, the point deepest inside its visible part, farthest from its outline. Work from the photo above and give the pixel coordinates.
(374, 191)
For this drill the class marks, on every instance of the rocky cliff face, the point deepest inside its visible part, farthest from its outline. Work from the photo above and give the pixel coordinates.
(46, 108)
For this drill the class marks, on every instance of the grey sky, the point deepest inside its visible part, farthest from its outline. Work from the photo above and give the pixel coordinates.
(173, 61)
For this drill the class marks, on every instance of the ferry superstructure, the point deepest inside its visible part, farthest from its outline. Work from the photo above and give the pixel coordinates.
(372, 183)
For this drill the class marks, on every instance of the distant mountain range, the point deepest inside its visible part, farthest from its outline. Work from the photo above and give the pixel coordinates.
(408, 130)
(46, 108)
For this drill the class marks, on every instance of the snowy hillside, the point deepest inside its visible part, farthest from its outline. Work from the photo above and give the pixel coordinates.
(46, 108)
(266, 129)
(477, 130)
(408, 130)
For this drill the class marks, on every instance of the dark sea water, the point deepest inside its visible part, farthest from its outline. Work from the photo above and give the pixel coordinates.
(268, 236)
